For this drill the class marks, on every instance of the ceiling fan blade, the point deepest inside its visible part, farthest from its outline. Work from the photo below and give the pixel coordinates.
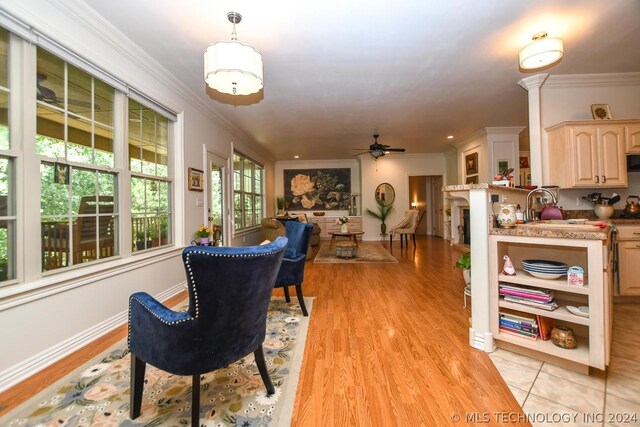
(397, 150)
(361, 149)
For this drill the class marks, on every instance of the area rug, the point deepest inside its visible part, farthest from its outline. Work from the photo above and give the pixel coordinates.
(97, 394)
(367, 253)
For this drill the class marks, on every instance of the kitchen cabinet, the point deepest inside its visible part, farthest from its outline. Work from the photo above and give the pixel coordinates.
(593, 332)
(633, 138)
(328, 224)
(590, 154)
(628, 242)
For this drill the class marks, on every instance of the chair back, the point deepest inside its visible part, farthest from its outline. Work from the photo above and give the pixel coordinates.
(229, 294)
(299, 236)
(414, 220)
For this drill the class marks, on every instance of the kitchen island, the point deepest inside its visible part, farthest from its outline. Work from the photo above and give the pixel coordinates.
(575, 245)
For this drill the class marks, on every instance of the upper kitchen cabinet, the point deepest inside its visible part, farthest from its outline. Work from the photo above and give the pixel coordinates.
(589, 154)
(633, 138)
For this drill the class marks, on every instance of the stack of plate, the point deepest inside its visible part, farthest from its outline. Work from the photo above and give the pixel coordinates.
(544, 269)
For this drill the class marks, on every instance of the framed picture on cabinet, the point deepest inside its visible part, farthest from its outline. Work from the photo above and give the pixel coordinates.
(472, 179)
(601, 112)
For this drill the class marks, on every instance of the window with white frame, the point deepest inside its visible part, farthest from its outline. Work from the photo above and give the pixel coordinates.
(7, 201)
(78, 185)
(247, 192)
(150, 185)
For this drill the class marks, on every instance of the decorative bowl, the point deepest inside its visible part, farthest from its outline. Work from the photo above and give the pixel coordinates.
(318, 214)
(564, 337)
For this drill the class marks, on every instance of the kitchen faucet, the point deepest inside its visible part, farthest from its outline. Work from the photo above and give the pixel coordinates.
(529, 213)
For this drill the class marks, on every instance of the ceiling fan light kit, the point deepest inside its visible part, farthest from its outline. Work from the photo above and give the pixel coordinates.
(378, 150)
(232, 67)
(541, 52)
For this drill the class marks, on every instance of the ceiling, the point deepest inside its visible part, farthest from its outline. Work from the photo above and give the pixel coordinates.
(415, 71)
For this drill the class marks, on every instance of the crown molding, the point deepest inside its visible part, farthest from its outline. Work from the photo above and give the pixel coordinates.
(28, 12)
(604, 79)
(533, 81)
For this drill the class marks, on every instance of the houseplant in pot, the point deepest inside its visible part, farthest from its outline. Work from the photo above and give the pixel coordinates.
(464, 263)
(382, 214)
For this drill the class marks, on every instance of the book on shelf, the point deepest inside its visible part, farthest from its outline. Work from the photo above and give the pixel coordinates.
(518, 318)
(535, 291)
(518, 326)
(545, 325)
(549, 306)
(520, 334)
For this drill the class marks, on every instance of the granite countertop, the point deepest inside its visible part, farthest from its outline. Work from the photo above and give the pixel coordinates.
(482, 186)
(539, 229)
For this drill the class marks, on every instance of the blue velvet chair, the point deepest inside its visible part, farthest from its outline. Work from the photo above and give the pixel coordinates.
(292, 269)
(229, 294)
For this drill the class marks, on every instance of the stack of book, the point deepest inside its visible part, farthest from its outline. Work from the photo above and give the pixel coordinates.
(521, 326)
(533, 297)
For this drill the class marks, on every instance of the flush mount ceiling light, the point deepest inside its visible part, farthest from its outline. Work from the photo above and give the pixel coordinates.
(541, 52)
(232, 67)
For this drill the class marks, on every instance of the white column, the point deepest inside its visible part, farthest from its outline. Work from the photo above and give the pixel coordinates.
(533, 84)
(480, 336)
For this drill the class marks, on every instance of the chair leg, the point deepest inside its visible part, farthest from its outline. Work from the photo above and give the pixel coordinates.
(390, 239)
(137, 382)
(195, 400)
(301, 299)
(286, 294)
(262, 368)
(414, 239)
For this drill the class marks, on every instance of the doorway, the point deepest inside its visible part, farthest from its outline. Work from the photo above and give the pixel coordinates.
(425, 194)
(216, 206)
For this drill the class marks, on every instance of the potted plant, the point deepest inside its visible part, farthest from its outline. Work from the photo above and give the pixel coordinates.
(202, 234)
(141, 243)
(382, 214)
(280, 204)
(464, 263)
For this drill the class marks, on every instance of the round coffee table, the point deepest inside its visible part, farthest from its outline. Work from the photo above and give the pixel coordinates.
(350, 235)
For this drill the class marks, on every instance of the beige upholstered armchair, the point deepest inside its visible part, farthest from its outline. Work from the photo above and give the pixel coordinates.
(405, 227)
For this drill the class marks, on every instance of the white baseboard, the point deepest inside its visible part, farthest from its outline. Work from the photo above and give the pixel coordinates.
(27, 368)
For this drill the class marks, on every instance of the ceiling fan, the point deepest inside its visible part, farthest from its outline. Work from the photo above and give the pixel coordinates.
(47, 95)
(378, 150)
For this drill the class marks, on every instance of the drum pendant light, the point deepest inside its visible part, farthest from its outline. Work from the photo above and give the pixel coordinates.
(541, 52)
(232, 67)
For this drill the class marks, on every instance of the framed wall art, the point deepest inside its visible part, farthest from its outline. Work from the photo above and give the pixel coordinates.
(472, 179)
(471, 163)
(601, 112)
(317, 189)
(195, 179)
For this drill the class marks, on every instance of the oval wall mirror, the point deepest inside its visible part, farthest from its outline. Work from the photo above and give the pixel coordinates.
(385, 194)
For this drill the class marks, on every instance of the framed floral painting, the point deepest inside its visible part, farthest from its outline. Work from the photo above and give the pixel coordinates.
(317, 189)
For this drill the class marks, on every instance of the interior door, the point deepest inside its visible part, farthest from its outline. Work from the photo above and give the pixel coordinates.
(216, 206)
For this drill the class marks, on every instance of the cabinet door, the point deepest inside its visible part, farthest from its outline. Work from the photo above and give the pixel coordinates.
(613, 161)
(584, 155)
(633, 139)
(629, 267)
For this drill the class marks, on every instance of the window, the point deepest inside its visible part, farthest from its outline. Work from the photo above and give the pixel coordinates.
(78, 187)
(150, 185)
(7, 212)
(247, 192)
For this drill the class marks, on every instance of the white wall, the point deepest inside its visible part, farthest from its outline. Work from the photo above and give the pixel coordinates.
(38, 316)
(394, 169)
(570, 97)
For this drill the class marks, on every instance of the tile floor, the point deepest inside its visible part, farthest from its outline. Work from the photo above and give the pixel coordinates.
(556, 396)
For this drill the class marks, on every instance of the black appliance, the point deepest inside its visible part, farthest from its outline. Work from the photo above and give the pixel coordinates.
(633, 163)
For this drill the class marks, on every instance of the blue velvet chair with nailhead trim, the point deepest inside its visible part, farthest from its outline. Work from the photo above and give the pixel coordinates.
(229, 293)
(292, 269)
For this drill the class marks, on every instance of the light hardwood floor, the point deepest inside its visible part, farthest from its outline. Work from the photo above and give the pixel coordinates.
(387, 346)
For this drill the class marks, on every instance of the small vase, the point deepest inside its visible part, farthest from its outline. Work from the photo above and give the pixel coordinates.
(466, 274)
(383, 228)
(204, 241)
(564, 337)
(344, 228)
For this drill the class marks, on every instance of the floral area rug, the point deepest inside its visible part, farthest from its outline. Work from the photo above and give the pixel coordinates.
(367, 252)
(97, 394)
